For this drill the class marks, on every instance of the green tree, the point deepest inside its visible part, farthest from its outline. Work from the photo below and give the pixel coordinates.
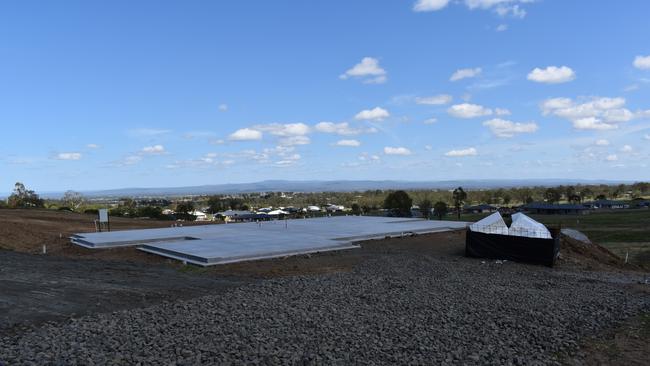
(575, 198)
(216, 204)
(586, 193)
(184, 211)
(356, 209)
(399, 203)
(24, 198)
(150, 211)
(459, 196)
(552, 195)
(425, 208)
(440, 209)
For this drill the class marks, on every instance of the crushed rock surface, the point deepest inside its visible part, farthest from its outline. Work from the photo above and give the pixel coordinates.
(397, 309)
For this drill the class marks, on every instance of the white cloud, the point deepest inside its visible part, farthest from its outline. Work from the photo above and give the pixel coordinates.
(93, 146)
(465, 73)
(626, 149)
(602, 142)
(467, 110)
(245, 134)
(223, 107)
(592, 113)
(430, 121)
(501, 7)
(130, 160)
(280, 156)
(647, 136)
(631, 88)
(428, 147)
(68, 156)
(504, 128)
(348, 143)
(368, 71)
(552, 75)
(375, 114)
(388, 150)
(470, 151)
(294, 140)
(342, 128)
(288, 129)
(643, 114)
(199, 134)
(369, 158)
(153, 150)
(429, 5)
(439, 99)
(642, 62)
(147, 132)
(611, 157)
(502, 28)
(502, 112)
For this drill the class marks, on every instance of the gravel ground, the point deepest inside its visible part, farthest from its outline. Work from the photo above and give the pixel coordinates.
(397, 309)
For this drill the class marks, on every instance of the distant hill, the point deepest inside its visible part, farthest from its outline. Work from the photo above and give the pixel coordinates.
(329, 186)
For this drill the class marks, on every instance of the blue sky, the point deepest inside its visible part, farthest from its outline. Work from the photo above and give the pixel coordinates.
(166, 93)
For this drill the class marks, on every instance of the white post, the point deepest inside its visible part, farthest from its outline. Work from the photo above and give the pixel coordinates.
(626, 256)
(44, 249)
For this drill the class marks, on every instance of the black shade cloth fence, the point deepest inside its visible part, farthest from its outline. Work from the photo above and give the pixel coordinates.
(513, 248)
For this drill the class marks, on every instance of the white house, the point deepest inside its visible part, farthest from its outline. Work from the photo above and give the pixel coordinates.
(277, 213)
(200, 215)
(230, 215)
(334, 208)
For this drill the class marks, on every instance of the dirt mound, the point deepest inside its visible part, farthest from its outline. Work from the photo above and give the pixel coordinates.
(590, 256)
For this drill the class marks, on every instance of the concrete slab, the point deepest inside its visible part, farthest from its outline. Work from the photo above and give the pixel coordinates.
(226, 243)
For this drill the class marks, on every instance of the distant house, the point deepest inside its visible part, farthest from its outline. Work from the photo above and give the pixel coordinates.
(278, 213)
(313, 209)
(416, 212)
(200, 215)
(334, 208)
(232, 215)
(483, 208)
(607, 204)
(290, 209)
(554, 209)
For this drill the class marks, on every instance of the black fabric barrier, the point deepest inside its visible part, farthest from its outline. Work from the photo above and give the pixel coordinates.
(513, 248)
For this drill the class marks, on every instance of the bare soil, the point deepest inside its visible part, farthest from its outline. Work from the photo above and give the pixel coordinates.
(28, 230)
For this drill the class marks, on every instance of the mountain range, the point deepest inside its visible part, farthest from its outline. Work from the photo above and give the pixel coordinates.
(329, 186)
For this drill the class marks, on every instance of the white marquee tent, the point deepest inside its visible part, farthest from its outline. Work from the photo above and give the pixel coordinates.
(522, 225)
(492, 224)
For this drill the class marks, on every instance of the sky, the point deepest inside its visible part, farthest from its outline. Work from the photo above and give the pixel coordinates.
(113, 94)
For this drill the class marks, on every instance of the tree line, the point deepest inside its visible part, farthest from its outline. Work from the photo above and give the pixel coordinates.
(365, 202)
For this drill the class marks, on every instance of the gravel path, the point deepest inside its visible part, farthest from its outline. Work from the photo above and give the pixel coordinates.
(398, 309)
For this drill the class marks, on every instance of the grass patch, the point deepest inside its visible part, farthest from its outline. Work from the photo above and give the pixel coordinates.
(623, 235)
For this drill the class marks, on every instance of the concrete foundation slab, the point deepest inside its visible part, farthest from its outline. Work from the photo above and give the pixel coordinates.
(225, 243)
